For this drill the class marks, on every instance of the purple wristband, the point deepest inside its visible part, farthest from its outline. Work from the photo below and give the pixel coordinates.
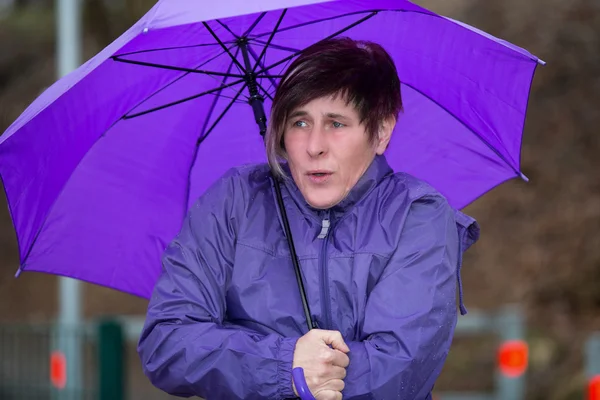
(301, 386)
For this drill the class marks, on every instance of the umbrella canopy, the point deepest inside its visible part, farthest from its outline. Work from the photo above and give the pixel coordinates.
(101, 169)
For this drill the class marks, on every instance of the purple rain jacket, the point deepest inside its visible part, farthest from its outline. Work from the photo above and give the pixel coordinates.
(382, 269)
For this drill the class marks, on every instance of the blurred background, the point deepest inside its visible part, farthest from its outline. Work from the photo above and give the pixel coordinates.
(534, 275)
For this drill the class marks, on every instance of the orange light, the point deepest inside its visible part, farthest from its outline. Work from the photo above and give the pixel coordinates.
(58, 370)
(594, 388)
(513, 357)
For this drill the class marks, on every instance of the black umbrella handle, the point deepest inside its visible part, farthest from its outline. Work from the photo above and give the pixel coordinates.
(288, 235)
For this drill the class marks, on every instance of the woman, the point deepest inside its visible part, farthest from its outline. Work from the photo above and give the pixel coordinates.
(379, 252)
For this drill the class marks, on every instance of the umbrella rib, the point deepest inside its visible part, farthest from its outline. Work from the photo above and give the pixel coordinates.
(220, 117)
(170, 48)
(174, 68)
(275, 46)
(203, 133)
(216, 99)
(174, 103)
(260, 17)
(201, 139)
(227, 28)
(228, 97)
(214, 35)
(473, 131)
(264, 90)
(360, 21)
(264, 50)
(175, 81)
(316, 21)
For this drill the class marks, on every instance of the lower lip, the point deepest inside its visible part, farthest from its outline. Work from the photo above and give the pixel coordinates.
(319, 178)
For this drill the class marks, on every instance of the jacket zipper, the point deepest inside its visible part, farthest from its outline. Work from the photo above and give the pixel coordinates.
(326, 302)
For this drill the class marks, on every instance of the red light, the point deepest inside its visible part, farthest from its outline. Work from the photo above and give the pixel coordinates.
(58, 370)
(513, 358)
(594, 388)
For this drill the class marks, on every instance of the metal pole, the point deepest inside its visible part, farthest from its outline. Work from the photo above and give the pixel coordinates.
(68, 15)
(510, 325)
(592, 355)
(592, 366)
(68, 25)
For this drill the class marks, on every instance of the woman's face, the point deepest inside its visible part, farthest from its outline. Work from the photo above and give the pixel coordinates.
(328, 149)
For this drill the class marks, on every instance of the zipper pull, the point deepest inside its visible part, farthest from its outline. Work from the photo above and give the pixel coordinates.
(324, 229)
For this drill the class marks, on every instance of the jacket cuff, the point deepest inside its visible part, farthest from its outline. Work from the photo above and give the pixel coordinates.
(285, 358)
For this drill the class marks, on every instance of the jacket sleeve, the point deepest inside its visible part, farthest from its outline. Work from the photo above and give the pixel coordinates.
(411, 312)
(186, 346)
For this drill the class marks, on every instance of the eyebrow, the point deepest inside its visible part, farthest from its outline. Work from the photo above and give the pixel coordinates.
(301, 113)
(337, 116)
(297, 113)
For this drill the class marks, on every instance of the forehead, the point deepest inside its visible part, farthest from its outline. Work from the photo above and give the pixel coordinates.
(327, 105)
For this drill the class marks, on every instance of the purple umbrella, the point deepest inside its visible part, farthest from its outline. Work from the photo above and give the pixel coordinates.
(100, 170)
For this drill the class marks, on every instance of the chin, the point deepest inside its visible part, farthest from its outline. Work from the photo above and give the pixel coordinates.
(321, 203)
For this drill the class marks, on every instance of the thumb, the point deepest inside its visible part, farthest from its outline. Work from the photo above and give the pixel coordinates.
(335, 339)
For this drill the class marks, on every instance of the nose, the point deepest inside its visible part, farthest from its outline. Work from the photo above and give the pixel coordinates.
(317, 143)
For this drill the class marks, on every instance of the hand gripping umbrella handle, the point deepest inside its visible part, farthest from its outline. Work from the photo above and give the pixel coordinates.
(300, 383)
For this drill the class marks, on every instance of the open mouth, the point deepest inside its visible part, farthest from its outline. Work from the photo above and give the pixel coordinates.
(319, 176)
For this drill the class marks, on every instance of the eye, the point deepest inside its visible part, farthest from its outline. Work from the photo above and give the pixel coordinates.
(300, 124)
(338, 124)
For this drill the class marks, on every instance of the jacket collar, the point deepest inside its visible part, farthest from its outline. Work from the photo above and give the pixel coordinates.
(377, 170)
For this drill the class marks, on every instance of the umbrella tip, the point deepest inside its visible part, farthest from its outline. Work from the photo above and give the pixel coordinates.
(541, 62)
(18, 272)
(522, 176)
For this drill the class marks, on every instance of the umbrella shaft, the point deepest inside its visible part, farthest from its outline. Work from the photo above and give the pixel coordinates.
(256, 100)
(257, 103)
(259, 115)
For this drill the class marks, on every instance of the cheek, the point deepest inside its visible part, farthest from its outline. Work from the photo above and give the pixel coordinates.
(295, 147)
(356, 152)
(292, 148)
(290, 143)
(356, 160)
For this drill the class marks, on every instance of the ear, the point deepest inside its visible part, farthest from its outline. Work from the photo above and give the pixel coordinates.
(385, 134)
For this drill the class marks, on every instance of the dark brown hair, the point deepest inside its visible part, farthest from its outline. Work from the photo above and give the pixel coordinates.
(363, 73)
